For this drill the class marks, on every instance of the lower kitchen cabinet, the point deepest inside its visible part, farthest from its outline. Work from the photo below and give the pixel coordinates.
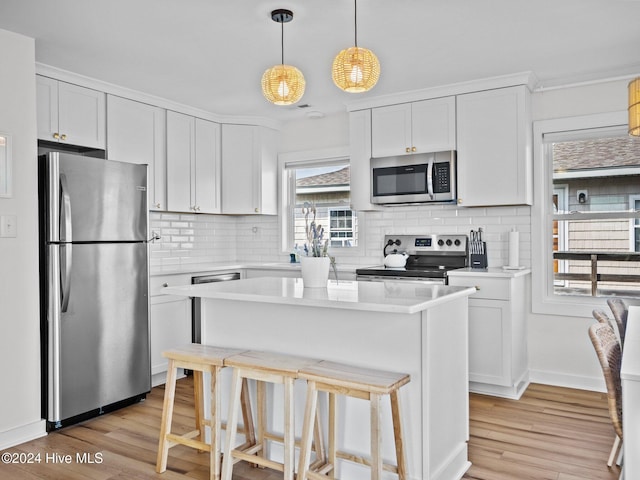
(498, 360)
(169, 323)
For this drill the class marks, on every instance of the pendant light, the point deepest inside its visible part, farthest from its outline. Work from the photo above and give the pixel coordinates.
(634, 107)
(282, 84)
(355, 69)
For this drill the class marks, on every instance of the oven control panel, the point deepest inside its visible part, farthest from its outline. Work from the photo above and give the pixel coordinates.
(426, 244)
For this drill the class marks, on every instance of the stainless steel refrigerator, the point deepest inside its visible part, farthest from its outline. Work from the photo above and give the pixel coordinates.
(94, 286)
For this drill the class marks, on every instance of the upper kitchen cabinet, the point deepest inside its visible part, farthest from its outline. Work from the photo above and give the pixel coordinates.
(494, 147)
(249, 170)
(70, 114)
(136, 134)
(193, 164)
(418, 127)
(360, 160)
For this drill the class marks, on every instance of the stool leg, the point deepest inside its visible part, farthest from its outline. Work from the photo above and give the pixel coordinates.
(198, 403)
(232, 425)
(261, 415)
(289, 439)
(376, 438)
(167, 414)
(398, 435)
(307, 430)
(214, 455)
(247, 417)
(332, 430)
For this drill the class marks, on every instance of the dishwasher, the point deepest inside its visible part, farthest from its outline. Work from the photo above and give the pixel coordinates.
(196, 302)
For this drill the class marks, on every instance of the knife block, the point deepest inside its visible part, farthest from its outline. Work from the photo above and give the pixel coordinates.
(479, 260)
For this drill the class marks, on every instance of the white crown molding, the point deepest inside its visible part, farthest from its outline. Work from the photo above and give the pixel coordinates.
(111, 89)
(523, 78)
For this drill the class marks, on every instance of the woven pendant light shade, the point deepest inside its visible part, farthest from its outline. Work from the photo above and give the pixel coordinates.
(283, 84)
(634, 107)
(355, 70)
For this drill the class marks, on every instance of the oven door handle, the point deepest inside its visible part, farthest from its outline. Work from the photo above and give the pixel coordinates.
(430, 176)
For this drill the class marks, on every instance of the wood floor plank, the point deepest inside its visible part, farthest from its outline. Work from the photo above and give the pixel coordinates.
(551, 433)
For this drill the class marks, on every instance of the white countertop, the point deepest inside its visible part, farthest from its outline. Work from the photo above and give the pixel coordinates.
(489, 272)
(223, 266)
(631, 355)
(392, 297)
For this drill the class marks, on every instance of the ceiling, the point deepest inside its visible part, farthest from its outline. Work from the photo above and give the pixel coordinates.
(211, 54)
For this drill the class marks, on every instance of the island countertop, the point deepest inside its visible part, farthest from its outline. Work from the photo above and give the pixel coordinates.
(392, 297)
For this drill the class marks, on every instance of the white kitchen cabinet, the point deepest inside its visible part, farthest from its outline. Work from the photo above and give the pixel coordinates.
(494, 147)
(360, 160)
(498, 362)
(70, 114)
(169, 322)
(249, 170)
(418, 127)
(136, 134)
(193, 164)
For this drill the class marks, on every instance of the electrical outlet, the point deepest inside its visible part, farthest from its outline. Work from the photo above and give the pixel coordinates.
(8, 226)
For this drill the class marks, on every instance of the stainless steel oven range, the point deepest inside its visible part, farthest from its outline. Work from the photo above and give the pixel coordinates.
(428, 258)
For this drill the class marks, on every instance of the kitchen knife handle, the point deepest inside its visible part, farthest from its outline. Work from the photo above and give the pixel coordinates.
(65, 276)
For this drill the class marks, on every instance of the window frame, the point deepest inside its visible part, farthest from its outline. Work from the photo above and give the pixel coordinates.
(544, 301)
(633, 225)
(286, 199)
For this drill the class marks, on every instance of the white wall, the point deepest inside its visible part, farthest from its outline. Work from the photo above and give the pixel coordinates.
(19, 298)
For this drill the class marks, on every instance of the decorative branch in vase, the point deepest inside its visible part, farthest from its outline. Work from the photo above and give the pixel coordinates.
(316, 247)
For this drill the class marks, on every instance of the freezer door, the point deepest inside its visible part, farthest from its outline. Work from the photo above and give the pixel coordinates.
(94, 200)
(97, 326)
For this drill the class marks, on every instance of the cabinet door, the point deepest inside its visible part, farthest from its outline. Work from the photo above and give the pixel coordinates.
(180, 158)
(433, 125)
(81, 116)
(136, 134)
(391, 130)
(494, 148)
(47, 108)
(205, 177)
(170, 326)
(239, 194)
(67, 113)
(489, 346)
(360, 160)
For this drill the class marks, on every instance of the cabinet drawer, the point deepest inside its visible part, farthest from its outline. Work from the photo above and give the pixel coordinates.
(489, 288)
(156, 284)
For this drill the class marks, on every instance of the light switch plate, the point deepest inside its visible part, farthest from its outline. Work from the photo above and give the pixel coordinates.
(8, 226)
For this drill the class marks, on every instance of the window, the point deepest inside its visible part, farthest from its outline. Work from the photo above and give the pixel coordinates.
(588, 214)
(324, 183)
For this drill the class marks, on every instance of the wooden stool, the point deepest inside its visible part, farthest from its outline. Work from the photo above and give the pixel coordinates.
(201, 359)
(364, 383)
(273, 368)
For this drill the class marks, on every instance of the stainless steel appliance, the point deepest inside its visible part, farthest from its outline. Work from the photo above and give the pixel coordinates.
(196, 308)
(429, 258)
(94, 286)
(419, 178)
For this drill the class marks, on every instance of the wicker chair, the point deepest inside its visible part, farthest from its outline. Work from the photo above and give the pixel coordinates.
(609, 353)
(620, 312)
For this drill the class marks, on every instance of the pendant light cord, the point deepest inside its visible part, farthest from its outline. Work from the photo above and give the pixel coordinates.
(355, 21)
(282, 42)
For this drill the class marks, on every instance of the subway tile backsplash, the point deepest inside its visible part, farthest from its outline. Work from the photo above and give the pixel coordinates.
(190, 238)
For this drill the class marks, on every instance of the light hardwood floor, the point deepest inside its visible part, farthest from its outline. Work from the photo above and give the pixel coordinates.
(551, 433)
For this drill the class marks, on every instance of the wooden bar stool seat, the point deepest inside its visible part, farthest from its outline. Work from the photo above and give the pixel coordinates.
(265, 367)
(363, 383)
(200, 359)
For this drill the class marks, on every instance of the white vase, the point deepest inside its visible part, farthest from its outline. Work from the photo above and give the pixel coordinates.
(315, 271)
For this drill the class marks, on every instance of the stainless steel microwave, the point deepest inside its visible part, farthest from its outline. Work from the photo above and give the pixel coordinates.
(418, 178)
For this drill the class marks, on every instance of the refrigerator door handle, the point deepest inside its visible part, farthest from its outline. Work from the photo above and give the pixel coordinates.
(53, 334)
(65, 275)
(65, 211)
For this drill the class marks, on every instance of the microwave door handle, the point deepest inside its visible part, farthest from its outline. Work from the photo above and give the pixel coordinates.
(430, 177)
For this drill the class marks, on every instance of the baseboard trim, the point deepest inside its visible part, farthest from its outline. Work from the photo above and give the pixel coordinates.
(22, 434)
(569, 381)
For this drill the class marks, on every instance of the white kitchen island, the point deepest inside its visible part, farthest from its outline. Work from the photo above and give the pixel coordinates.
(400, 326)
